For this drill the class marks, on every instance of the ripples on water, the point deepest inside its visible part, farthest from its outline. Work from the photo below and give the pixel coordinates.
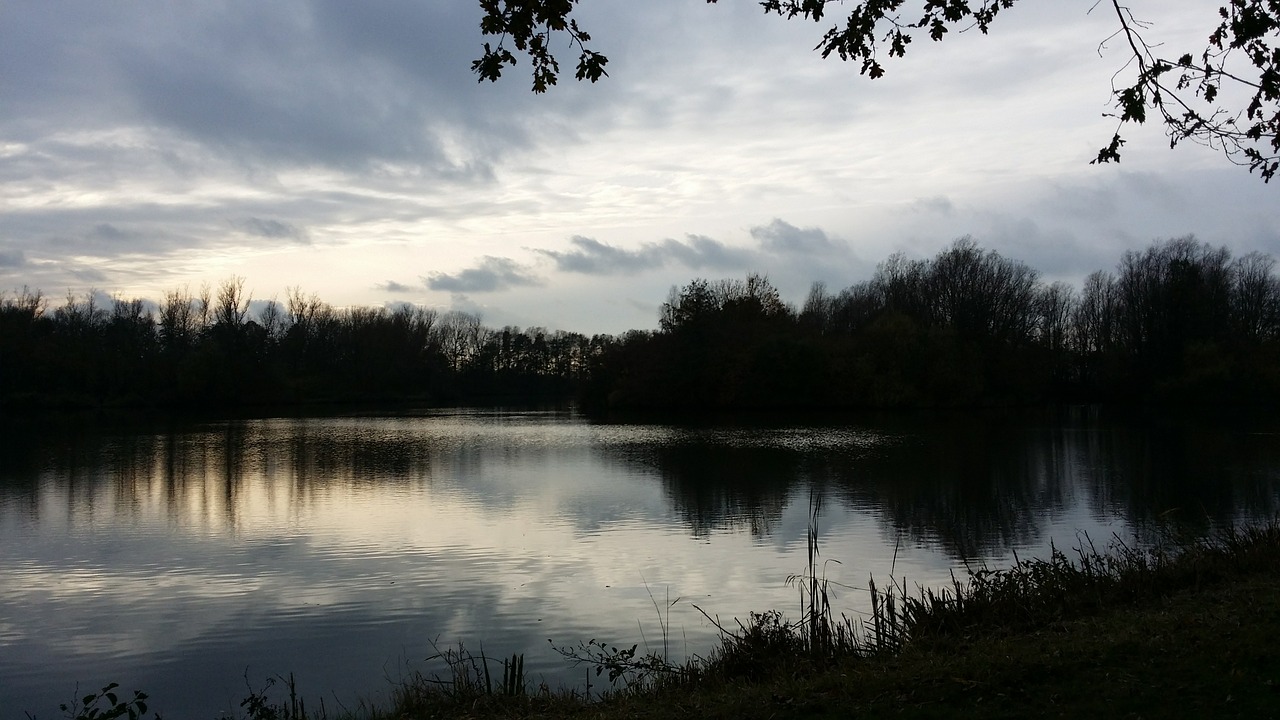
(179, 560)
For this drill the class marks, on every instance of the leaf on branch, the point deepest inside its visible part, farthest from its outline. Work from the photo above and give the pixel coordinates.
(1240, 54)
(489, 66)
(591, 66)
(1133, 104)
(1110, 153)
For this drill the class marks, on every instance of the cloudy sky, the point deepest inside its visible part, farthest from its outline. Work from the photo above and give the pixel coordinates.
(347, 149)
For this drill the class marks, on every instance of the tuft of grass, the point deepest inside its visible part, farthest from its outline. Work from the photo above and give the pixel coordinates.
(258, 705)
(1035, 592)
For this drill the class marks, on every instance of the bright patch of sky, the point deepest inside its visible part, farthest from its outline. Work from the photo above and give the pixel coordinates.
(348, 149)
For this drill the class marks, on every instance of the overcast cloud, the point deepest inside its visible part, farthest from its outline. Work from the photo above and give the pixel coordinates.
(783, 238)
(392, 286)
(492, 274)
(269, 228)
(346, 147)
(695, 252)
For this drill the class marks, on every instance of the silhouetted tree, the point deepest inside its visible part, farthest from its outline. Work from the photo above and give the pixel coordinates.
(179, 322)
(1055, 307)
(1255, 298)
(24, 330)
(1095, 318)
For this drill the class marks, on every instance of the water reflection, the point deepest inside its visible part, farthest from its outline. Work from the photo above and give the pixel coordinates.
(338, 547)
(972, 488)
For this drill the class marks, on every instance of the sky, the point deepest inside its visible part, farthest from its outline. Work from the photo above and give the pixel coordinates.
(347, 149)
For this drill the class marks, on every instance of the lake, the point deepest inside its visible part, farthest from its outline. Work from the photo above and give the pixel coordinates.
(193, 560)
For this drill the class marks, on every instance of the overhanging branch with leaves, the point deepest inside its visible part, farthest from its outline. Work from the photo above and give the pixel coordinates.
(1186, 94)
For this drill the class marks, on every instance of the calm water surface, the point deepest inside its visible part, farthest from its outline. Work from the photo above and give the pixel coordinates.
(183, 559)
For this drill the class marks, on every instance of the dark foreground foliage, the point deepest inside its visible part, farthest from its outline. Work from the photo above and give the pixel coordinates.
(1183, 629)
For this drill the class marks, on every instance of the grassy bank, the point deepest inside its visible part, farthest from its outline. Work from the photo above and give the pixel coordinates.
(1198, 653)
(1189, 629)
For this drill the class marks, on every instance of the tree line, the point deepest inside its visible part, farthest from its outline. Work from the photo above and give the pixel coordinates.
(1178, 321)
(205, 348)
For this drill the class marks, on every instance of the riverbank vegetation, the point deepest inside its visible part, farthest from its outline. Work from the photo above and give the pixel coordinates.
(1177, 630)
(1180, 321)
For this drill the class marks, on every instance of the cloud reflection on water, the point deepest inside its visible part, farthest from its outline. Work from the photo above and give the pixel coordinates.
(336, 548)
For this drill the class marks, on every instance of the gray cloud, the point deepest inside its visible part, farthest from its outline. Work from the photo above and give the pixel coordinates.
(592, 257)
(88, 274)
(461, 303)
(782, 237)
(12, 258)
(269, 228)
(107, 231)
(700, 252)
(492, 275)
(289, 83)
(938, 204)
(394, 287)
